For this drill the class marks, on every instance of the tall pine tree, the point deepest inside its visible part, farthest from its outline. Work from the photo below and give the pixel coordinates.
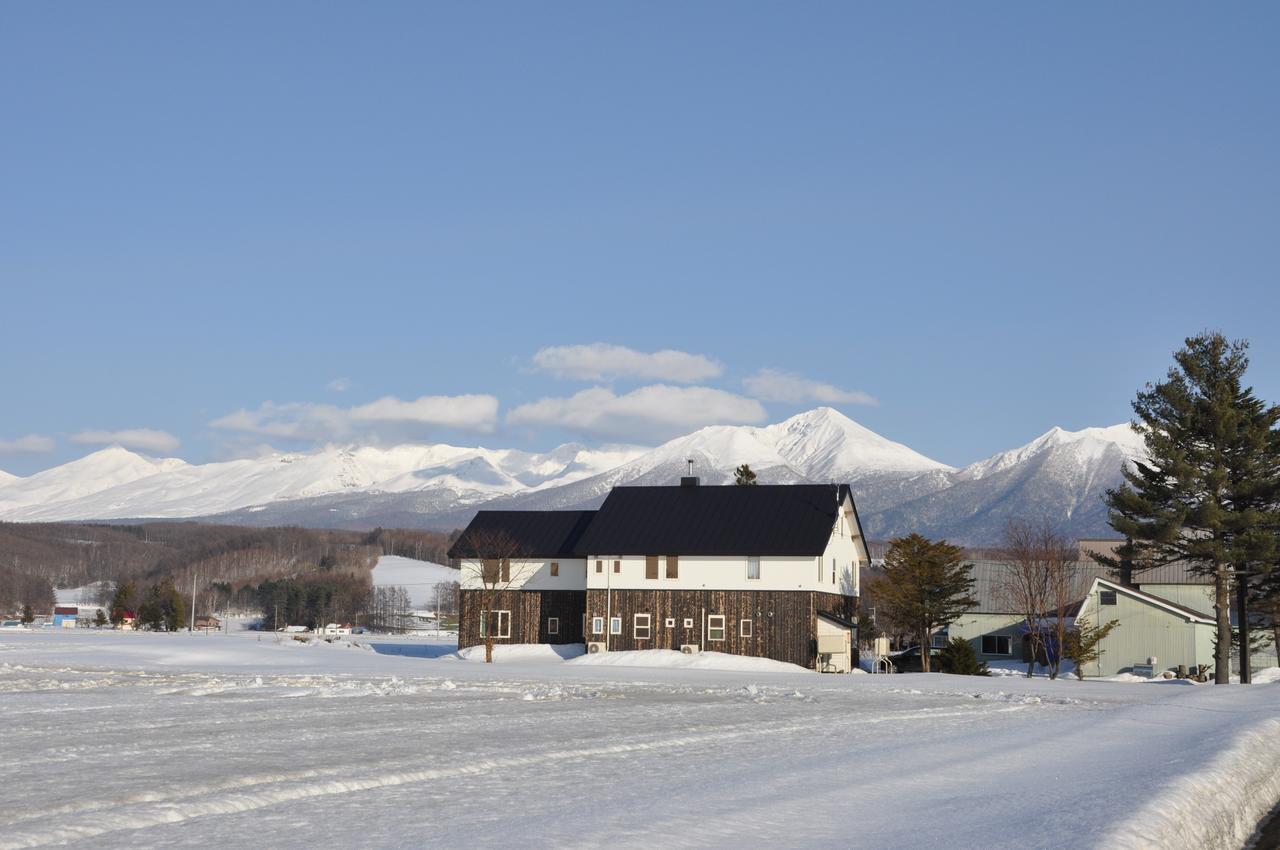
(1206, 492)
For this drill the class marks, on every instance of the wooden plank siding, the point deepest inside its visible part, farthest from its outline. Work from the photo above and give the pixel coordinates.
(782, 622)
(529, 609)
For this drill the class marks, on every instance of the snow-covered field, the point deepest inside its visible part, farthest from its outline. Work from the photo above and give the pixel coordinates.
(144, 740)
(419, 578)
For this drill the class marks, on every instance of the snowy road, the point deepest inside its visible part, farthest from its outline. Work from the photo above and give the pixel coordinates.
(174, 741)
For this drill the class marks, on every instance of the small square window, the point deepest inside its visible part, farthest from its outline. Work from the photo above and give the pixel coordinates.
(671, 622)
(688, 622)
(1106, 597)
(615, 625)
(553, 625)
(555, 568)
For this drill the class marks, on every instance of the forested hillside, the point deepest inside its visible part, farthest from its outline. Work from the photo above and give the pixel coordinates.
(37, 557)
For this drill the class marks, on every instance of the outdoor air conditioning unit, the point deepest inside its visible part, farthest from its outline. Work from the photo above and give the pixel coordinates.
(596, 646)
(689, 648)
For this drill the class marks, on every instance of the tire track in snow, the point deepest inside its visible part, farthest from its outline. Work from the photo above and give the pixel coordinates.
(251, 793)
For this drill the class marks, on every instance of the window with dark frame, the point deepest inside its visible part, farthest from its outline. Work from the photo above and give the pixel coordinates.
(497, 621)
(997, 645)
(1106, 597)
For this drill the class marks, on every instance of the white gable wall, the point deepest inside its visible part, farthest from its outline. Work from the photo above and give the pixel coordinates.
(531, 574)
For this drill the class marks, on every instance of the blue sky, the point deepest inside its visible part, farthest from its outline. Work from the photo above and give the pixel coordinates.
(236, 225)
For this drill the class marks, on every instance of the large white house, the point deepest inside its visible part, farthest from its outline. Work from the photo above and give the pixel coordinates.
(767, 570)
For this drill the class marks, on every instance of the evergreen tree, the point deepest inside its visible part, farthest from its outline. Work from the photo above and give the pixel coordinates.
(164, 608)
(743, 476)
(28, 616)
(925, 586)
(99, 619)
(1206, 493)
(124, 601)
(960, 658)
(1083, 644)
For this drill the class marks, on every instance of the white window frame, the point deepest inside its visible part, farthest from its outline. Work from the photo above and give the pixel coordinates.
(553, 625)
(745, 628)
(939, 639)
(1008, 640)
(722, 628)
(484, 624)
(597, 625)
(671, 622)
(615, 625)
(688, 622)
(636, 627)
(750, 563)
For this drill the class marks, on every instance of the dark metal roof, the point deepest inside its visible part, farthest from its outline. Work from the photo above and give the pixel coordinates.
(782, 519)
(536, 534)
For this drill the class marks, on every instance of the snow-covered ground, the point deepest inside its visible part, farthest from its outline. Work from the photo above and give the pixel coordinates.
(145, 740)
(419, 578)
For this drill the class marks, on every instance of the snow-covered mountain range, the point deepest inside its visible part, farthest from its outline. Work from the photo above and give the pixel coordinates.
(1061, 473)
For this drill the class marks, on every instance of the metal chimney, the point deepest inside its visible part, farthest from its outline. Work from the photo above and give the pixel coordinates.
(689, 480)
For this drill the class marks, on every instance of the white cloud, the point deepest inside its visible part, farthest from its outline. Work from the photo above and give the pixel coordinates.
(30, 444)
(601, 362)
(142, 439)
(339, 385)
(777, 385)
(647, 414)
(305, 421)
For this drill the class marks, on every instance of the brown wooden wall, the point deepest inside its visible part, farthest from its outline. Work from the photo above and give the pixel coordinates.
(529, 612)
(783, 621)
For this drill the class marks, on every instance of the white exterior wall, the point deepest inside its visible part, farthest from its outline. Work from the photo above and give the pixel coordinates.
(729, 572)
(531, 574)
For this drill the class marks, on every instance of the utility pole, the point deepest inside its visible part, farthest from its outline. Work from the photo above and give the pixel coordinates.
(191, 627)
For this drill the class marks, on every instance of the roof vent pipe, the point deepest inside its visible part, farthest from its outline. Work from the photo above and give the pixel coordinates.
(689, 480)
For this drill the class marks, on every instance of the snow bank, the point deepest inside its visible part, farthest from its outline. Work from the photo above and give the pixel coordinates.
(1217, 806)
(515, 652)
(1266, 676)
(698, 661)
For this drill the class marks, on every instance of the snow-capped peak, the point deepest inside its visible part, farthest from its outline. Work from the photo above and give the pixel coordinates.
(824, 442)
(1089, 445)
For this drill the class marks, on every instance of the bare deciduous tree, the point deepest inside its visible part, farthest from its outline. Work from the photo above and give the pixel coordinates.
(492, 563)
(1041, 582)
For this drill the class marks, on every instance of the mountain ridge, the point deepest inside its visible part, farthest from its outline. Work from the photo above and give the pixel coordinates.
(1060, 473)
